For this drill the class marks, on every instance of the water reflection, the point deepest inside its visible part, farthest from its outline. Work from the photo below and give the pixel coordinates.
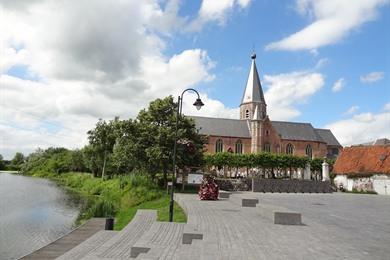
(33, 212)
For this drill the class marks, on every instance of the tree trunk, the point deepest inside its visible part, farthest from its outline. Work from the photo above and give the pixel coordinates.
(104, 164)
(165, 177)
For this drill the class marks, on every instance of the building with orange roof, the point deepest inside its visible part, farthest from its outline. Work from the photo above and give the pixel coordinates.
(364, 168)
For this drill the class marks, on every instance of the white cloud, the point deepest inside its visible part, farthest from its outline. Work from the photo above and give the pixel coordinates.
(333, 20)
(284, 91)
(361, 128)
(372, 77)
(351, 110)
(338, 85)
(95, 61)
(216, 11)
(386, 107)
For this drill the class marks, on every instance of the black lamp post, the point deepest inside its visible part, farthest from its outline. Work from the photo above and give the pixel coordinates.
(198, 104)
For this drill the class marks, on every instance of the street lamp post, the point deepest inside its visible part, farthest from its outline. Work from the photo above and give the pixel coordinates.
(198, 104)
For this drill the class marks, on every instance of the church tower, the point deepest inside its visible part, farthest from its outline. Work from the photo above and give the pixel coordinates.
(253, 108)
(253, 95)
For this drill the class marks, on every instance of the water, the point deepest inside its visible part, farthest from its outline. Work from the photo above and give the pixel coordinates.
(33, 213)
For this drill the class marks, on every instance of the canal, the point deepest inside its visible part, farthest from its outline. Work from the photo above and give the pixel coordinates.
(33, 213)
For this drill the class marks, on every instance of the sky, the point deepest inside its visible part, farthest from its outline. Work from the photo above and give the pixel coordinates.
(65, 64)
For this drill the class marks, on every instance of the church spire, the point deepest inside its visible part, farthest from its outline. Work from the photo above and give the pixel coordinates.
(253, 90)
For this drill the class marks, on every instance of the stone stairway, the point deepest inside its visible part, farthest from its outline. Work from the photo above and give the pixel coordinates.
(89, 245)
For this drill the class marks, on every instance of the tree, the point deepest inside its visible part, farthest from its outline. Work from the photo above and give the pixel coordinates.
(102, 138)
(2, 164)
(126, 153)
(156, 127)
(17, 161)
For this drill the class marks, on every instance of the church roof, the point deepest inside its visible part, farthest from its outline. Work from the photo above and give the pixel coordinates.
(296, 131)
(328, 136)
(240, 128)
(222, 126)
(253, 90)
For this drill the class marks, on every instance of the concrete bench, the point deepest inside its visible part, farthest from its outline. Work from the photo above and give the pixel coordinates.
(190, 233)
(249, 202)
(224, 194)
(280, 215)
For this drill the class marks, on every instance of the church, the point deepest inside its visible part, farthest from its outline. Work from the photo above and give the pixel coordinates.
(254, 132)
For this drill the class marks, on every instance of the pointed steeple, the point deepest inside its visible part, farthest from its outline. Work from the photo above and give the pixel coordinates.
(253, 90)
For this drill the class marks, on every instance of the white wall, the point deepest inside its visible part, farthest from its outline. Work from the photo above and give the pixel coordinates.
(380, 183)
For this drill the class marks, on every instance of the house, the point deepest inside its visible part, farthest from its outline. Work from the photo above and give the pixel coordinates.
(364, 168)
(255, 132)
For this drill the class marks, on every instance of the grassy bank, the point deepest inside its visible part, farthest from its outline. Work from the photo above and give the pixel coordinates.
(119, 197)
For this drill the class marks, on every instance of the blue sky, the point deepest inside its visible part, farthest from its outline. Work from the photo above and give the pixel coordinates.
(65, 65)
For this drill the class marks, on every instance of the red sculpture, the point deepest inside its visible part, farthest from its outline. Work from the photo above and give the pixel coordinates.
(208, 190)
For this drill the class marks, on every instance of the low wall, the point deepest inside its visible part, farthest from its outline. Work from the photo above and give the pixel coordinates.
(274, 185)
(291, 186)
(244, 184)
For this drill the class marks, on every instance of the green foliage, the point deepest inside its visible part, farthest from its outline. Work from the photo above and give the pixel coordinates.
(17, 162)
(260, 160)
(53, 160)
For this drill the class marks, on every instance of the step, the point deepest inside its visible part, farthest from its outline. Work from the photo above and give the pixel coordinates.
(88, 245)
(159, 242)
(119, 245)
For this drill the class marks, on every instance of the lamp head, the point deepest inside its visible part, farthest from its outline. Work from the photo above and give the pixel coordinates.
(198, 104)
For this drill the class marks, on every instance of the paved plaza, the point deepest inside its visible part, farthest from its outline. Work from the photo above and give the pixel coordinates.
(334, 226)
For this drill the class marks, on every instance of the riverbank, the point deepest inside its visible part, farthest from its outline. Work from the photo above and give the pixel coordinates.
(119, 197)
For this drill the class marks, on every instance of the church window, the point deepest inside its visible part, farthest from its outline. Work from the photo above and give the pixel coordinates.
(247, 113)
(219, 146)
(267, 148)
(266, 132)
(309, 151)
(239, 146)
(289, 149)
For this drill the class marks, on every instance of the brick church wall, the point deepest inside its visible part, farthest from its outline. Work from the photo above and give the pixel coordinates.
(228, 142)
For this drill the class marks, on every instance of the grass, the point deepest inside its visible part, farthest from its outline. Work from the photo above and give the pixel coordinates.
(120, 196)
(125, 215)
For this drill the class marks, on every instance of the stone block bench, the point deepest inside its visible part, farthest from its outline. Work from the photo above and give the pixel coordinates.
(280, 215)
(243, 200)
(249, 202)
(224, 194)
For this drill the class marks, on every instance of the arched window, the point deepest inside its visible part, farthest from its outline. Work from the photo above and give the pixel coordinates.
(267, 148)
(238, 146)
(309, 151)
(247, 113)
(219, 146)
(289, 149)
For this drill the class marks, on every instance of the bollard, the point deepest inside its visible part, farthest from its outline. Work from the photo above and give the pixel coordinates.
(109, 223)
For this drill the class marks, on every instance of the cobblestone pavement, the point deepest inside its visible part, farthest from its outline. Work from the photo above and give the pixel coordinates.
(336, 226)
